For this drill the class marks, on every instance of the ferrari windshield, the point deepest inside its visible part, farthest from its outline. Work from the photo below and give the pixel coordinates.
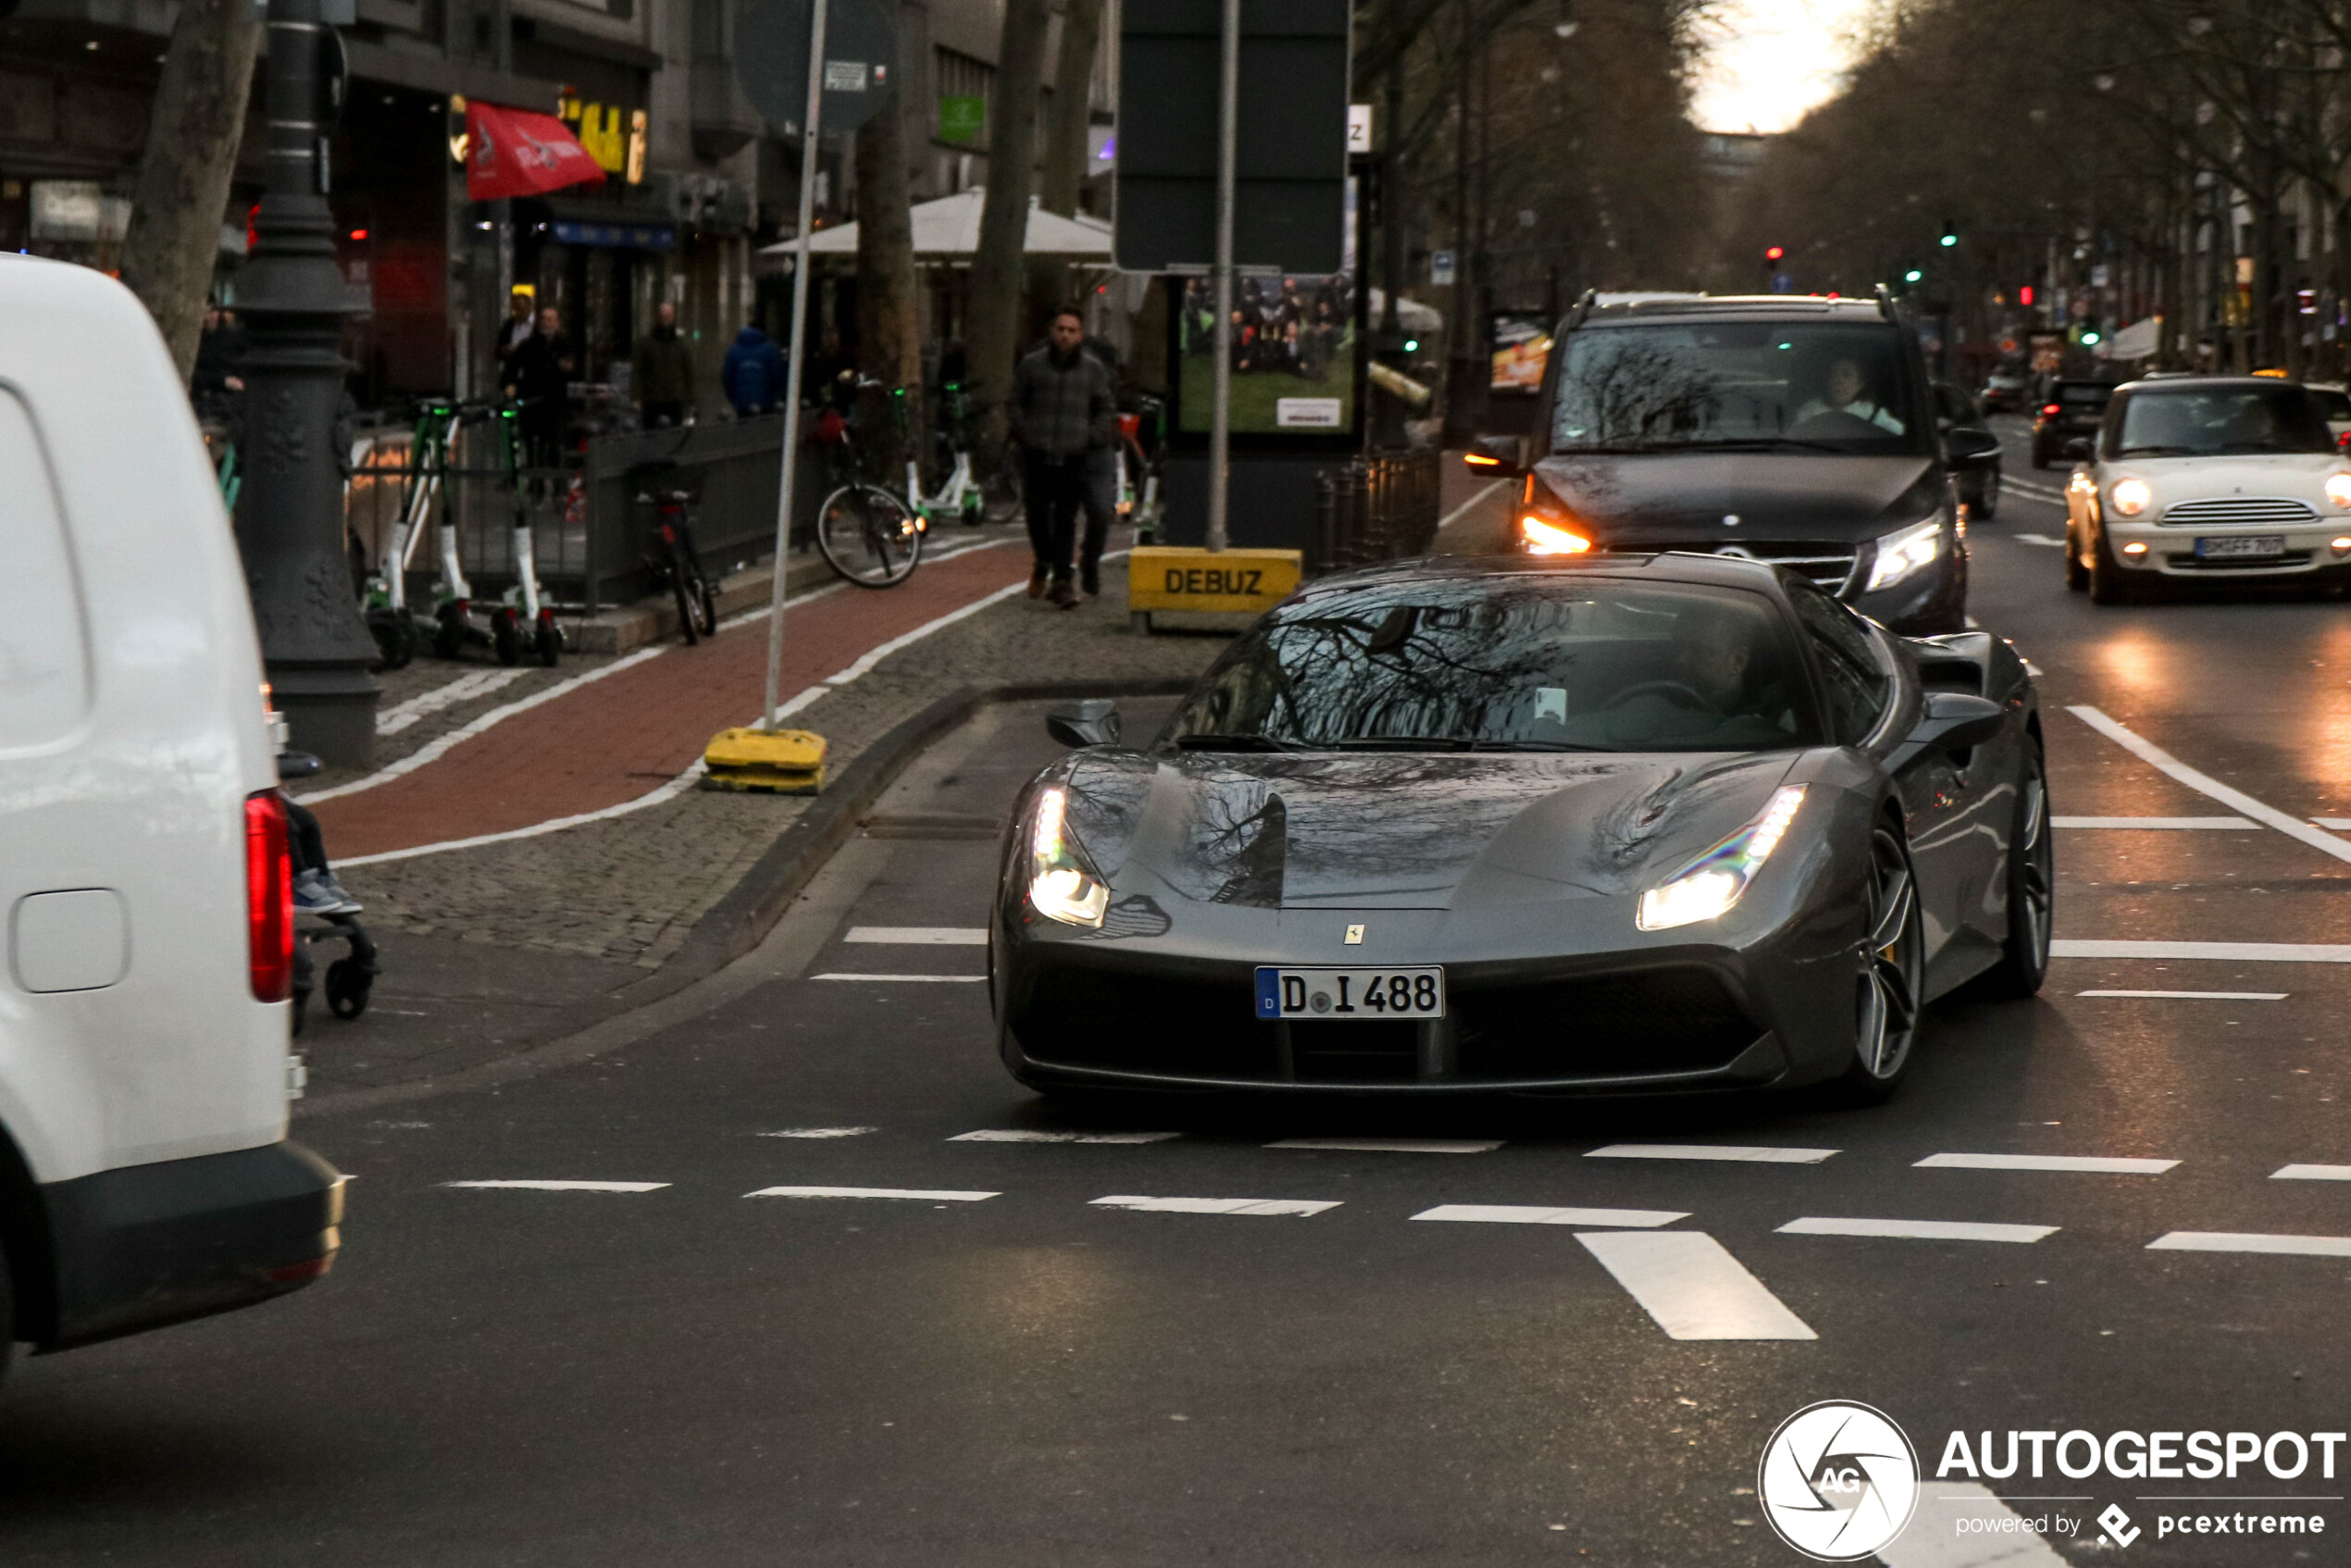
(1737, 384)
(1504, 664)
(2222, 421)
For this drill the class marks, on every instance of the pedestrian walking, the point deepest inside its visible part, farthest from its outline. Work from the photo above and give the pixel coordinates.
(754, 374)
(1062, 413)
(537, 376)
(216, 389)
(661, 373)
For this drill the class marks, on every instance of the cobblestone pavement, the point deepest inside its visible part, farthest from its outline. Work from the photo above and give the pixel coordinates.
(485, 947)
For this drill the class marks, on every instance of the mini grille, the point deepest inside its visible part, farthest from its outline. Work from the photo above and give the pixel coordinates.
(2276, 510)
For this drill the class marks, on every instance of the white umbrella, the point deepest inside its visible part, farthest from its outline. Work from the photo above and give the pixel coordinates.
(1411, 315)
(948, 228)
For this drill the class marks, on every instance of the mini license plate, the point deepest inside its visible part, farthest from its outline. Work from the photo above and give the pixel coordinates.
(2252, 544)
(1336, 995)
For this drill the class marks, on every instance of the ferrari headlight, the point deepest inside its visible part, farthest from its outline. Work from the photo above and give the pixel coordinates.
(1711, 884)
(1901, 554)
(1062, 885)
(2132, 497)
(2339, 489)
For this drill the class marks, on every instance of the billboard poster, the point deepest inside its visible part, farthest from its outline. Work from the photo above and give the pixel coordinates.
(1294, 351)
(1522, 340)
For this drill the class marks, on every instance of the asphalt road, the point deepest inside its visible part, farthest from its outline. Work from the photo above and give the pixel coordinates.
(996, 1367)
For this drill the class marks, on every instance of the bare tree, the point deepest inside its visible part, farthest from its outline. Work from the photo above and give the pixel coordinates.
(183, 184)
(997, 275)
(1065, 127)
(889, 329)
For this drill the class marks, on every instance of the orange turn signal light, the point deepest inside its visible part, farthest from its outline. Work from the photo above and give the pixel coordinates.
(1549, 539)
(1479, 460)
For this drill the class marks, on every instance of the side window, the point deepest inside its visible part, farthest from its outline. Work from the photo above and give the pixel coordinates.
(2110, 430)
(1851, 680)
(45, 676)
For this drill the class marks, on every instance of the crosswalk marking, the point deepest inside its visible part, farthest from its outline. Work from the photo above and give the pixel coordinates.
(2232, 952)
(920, 936)
(1393, 1145)
(1028, 1135)
(1918, 1230)
(1935, 1541)
(1298, 1207)
(915, 1193)
(1519, 1214)
(1758, 1154)
(2195, 996)
(918, 979)
(2312, 1173)
(2163, 824)
(2092, 1164)
(2246, 1242)
(1692, 1286)
(567, 1186)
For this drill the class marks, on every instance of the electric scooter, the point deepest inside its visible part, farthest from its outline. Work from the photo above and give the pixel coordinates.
(456, 624)
(389, 621)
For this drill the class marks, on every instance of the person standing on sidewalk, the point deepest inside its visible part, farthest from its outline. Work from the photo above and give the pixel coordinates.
(753, 374)
(539, 378)
(1062, 413)
(661, 373)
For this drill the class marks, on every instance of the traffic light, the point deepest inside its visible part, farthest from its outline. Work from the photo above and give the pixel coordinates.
(1772, 257)
(2024, 296)
(1950, 233)
(1912, 276)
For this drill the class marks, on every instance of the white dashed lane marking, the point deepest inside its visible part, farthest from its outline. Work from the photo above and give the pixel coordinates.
(1755, 1154)
(2038, 539)
(912, 979)
(1023, 1134)
(2195, 996)
(2205, 784)
(2312, 1173)
(2079, 1163)
(1519, 1214)
(2162, 824)
(1918, 1230)
(1692, 1286)
(920, 936)
(2226, 952)
(1393, 1145)
(917, 1194)
(821, 1132)
(1998, 1535)
(567, 1186)
(1301, 1208)
(2244, 1241)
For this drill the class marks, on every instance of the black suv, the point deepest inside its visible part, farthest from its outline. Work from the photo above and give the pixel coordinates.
(1800, 432)
(2067, 410)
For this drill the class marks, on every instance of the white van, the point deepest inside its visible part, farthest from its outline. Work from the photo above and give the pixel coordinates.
(146, 1176)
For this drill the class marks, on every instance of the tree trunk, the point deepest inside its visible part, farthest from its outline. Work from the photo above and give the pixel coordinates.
(182, 186)
(1064, 178)
(889, 345)
(992, 334)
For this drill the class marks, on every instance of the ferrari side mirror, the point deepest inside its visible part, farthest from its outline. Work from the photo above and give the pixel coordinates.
(1093, 722)
(1495, 457)
(1957, 722)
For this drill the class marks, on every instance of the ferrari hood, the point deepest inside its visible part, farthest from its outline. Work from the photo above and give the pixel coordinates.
(1686, 498)
(1397, 832)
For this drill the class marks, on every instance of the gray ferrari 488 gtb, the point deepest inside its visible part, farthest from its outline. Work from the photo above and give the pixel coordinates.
(1617, 824)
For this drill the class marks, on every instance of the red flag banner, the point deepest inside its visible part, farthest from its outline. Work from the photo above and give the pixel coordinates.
(516, 153)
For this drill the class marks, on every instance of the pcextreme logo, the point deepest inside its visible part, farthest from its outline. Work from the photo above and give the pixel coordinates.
(1838, 1481)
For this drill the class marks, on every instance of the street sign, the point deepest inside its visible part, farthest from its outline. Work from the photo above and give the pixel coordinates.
(1782, 283)
(1440, 268)
(1359, 127)
(771, 61)
(1290, 210)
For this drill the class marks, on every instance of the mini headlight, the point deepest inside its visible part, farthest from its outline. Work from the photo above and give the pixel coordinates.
(2132, 497)
(1551, 539)
(1062, 884)
(2339, 489)
(1708, 887)
(1899, 555)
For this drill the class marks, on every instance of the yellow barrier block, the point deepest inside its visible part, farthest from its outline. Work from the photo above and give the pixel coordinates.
(789, 761)
(1165, 576)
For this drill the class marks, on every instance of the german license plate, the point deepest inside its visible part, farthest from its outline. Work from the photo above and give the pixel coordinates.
(1350, 995)
(2239, 546)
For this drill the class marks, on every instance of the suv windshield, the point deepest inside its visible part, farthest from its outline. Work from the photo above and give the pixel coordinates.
(1503, 665)
(2217, 421)
(1734, 384)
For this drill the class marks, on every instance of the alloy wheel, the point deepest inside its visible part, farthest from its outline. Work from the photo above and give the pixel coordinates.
(1892, 970)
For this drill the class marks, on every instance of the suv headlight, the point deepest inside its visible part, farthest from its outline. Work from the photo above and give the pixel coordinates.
(1903, 552)
(2131, 497)
(1708, 887)
(1062, 885)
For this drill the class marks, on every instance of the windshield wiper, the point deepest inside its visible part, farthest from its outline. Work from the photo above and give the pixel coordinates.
(1759, 443)
(2158, 452)
(1232, 743)
(1535, 746)
(1403, 744)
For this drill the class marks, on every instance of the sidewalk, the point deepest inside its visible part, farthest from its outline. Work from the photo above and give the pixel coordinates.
(491, 948)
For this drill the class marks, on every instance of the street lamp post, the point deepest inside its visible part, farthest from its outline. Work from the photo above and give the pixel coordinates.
(293, 301)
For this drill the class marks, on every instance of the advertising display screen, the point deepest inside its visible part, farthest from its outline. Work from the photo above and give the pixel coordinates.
(1522, 340)
(1295, 347)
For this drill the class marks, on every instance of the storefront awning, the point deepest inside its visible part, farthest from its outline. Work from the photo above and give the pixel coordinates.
(948, 230)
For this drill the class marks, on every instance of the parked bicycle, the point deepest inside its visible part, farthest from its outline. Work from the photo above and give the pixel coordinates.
(670, 546)
(869, 534)
(1136, 462)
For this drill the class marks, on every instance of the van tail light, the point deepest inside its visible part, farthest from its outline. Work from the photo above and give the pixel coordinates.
(269, 927)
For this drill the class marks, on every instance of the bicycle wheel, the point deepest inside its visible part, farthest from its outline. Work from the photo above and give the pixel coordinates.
(1003, 489)
(682, 588)
(868, 535)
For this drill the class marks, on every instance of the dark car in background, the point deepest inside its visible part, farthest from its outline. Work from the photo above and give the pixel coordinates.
(1958, 415)
(1798, 431)
(2004, 391)
(2068, 410)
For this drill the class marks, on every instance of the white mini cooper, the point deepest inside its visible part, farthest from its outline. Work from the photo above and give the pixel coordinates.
(2208, 478)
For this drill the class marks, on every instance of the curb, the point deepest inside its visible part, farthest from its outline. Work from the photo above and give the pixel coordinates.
(741, 918)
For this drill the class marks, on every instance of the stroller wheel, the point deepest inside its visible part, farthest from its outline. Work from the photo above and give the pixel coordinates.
(348, 983)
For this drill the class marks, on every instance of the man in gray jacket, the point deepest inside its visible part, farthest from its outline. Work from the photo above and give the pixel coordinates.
(1062, 414)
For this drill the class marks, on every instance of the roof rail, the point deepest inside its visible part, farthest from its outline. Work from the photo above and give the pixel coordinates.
(1579, 310)
(1885, 303)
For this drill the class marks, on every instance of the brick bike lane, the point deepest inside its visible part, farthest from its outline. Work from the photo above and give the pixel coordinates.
(613, 739)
